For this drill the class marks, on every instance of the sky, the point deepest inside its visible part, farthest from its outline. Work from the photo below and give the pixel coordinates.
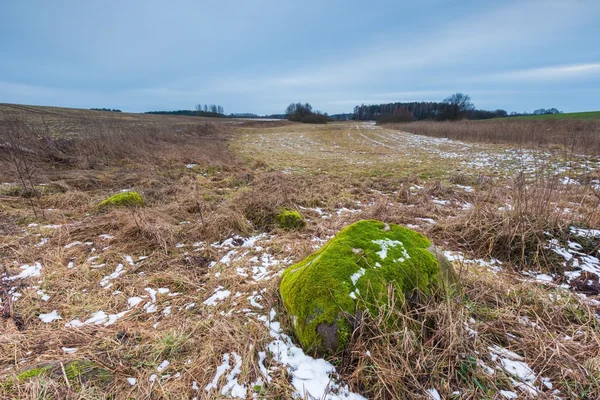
(258, 56)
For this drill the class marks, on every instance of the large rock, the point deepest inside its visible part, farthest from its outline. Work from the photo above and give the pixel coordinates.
(351, 273)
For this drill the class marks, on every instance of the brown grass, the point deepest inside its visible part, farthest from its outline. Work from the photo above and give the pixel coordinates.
(412, 348)
(569, 135)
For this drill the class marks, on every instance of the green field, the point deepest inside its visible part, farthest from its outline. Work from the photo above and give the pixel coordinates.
(575, 115)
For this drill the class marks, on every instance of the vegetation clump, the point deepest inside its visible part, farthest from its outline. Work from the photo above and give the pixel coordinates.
(124, 199)
(34, 372)
(304, 113)
(76, 371)
(324, 292)
(289, 219)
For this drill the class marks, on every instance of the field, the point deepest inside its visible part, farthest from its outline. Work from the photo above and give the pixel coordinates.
(580, 136)
(179, 298)
(575, 115)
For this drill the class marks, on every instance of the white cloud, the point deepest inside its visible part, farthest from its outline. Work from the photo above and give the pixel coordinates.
(477, 38)
(552, 73)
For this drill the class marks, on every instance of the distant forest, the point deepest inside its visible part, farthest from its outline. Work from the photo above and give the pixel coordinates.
(457, 106)
(418, 111)
(195, 113)
(105, 109)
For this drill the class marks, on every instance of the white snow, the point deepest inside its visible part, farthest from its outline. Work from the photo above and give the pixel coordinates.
(97, 318)
(507, 394)
(232, 387)
(152, 293)
(51, 316)
(312, 378)
(118, 272)
(589, 233)
(387, 244)
(132, 381)
(69, 350)
(524, 377)
(221, 369)
(43, 296)
(28, 271)
(356, 276)
(134, 301)
(217, 296)
(544, 278)
(163, 365)
(434, 394)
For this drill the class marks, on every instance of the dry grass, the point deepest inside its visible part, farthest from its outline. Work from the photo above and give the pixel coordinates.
(516, 223)
(241, 179)
(570, 135)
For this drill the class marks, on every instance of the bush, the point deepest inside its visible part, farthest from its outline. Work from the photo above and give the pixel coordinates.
(304, 113)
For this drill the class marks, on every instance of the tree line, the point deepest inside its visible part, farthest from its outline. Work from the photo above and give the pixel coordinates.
(454, 107)
(106, 109)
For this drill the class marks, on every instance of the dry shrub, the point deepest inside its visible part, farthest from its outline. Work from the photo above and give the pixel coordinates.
(520, 232)
(139, 229)
(218, 224)
(411, 348)
(557, 332)
(403, 352)
(568, 134)
(271, 191)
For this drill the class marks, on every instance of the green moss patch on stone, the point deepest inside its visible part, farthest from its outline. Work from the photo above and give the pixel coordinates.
(289, 219)
(124, 199)
(77, 372)
(352, 272)
(34, 372)
(85, 370)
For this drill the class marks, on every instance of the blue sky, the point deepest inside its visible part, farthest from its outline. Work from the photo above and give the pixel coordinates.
(260, 55)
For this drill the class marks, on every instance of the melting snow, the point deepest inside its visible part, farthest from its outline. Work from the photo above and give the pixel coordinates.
(310, 377)
(217, 296)
(52, 316)
(28, 271)
(118, 272)
(232, 387)
(221, 369)
(69, 350)
(163, 365)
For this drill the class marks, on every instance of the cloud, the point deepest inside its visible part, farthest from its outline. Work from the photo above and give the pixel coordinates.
(543, 74)
(395, 60)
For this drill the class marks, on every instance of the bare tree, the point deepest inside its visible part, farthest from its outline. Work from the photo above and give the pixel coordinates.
(457, 105)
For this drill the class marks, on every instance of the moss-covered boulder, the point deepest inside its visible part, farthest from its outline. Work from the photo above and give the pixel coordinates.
(289, 219)
(351, 273)
(123, 199)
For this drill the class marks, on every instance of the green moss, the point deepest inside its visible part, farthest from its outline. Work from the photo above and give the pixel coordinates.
(34, 372)
(86, 371)
(289, 219)
(124, 199)
(77, 371)
(351, 273)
